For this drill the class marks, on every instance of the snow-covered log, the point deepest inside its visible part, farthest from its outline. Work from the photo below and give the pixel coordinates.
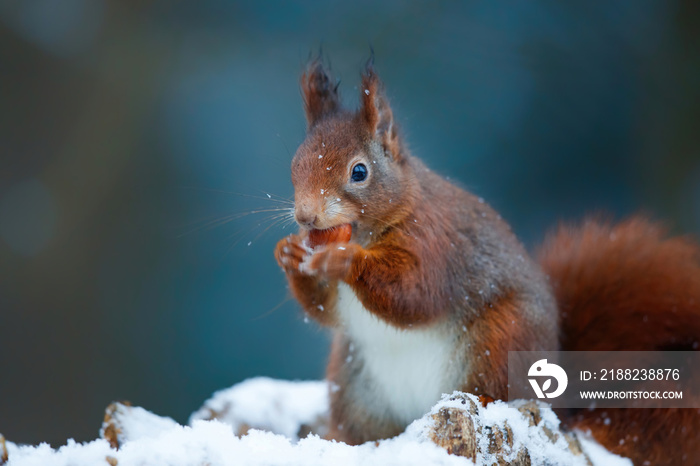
(268, 422)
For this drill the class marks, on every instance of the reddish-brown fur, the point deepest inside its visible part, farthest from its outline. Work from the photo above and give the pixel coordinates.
(425, 254)
(494, 334)
(627, 287)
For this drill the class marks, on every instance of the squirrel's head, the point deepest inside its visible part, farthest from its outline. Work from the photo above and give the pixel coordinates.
(351, 167)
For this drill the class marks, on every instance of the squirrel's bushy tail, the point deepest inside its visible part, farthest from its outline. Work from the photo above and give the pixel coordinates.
(629, 287)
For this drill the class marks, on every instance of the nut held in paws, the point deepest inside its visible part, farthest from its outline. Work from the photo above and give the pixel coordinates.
(339, 234)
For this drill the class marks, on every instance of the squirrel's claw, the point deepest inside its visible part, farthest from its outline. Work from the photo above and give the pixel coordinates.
(332, 261)
(290, 252)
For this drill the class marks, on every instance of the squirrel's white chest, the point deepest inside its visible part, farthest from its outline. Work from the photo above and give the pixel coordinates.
(405, 371)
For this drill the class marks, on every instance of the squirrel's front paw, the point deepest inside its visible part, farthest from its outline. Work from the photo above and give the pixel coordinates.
(332, 261)
(290, 253)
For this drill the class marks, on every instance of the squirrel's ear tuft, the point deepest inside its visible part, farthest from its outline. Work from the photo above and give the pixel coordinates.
(319, 93)
(375, 111)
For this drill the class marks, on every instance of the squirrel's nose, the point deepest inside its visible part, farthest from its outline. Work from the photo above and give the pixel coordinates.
(305, 216)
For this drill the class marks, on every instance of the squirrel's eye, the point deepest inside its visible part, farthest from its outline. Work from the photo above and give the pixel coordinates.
(359, 173)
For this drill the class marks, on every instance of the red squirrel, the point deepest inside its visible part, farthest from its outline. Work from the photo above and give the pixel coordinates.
(433, 288)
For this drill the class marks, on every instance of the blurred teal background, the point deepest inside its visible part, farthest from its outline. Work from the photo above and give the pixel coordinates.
(126, 125)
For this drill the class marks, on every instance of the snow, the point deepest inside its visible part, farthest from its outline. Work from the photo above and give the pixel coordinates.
(275, 405)
(284, 407)
(137, 423)
(214, 443)
(72, 453)
(598, 454)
